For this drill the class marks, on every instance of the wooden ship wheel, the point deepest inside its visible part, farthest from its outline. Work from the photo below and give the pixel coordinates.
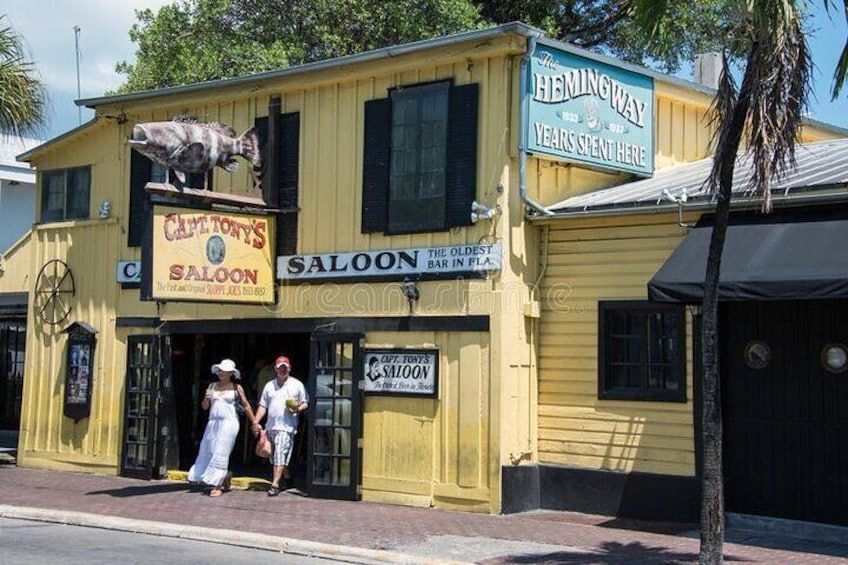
(54, 289)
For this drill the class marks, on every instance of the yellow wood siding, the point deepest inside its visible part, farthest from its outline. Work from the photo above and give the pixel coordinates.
(48, 438)
(16, 265)
(589, 261)
(428, 452)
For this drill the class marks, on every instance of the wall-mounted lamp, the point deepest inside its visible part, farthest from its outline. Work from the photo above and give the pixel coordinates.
(105, 210)
(411, 292)
(481, 212)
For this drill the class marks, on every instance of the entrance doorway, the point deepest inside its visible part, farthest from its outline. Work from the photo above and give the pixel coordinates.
(12, 350)
(192, 357)
(785, 398)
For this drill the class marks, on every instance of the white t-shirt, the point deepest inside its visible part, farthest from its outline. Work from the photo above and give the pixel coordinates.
(274, 398)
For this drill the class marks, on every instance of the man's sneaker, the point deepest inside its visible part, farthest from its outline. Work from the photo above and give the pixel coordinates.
(274, 490)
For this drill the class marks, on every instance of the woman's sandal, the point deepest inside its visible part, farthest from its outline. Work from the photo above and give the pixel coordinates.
(216, 491)
(227, 483)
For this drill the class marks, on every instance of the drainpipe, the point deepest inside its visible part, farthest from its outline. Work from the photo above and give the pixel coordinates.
(522, 122)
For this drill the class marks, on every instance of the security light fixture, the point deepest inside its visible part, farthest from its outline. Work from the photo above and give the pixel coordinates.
(481, 212)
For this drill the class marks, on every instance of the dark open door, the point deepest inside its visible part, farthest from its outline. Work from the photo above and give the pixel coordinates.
(138, 458)
(335, 418)
(12, 350)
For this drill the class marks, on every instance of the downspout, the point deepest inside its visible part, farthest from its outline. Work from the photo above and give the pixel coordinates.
(537, 208)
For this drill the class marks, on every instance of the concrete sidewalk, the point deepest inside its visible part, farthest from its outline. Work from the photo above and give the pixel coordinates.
(363, 532)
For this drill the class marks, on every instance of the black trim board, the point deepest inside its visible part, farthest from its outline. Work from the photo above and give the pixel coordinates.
(333, 325)
(136, 322)
(646, 496)
(13, 303)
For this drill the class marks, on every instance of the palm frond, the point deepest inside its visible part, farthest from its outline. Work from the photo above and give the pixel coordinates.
(22, 95)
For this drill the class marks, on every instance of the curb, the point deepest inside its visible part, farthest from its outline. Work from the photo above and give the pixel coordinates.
(266, 542)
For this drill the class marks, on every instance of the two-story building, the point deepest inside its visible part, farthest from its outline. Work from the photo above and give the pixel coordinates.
(452, 241)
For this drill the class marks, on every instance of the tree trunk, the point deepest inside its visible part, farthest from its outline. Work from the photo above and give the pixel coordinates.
(712, 483)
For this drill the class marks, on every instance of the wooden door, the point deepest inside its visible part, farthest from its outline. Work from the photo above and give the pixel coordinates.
(786, 409)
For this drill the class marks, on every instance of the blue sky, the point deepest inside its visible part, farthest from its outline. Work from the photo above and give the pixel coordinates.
(47, 28)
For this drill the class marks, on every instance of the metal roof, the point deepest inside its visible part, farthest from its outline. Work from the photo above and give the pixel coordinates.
(820, 165)
(10, 169)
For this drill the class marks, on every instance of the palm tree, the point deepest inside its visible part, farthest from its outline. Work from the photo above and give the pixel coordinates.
(765, 112)
(22, 94)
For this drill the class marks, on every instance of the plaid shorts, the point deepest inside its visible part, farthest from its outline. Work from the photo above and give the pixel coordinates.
(283, 442)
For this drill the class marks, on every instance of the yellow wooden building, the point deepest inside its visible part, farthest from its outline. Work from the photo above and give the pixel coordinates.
(420, 259)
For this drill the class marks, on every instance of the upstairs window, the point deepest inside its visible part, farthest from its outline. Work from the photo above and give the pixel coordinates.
(65, 194)
(420, 159)
(143, 171)
(642, 349)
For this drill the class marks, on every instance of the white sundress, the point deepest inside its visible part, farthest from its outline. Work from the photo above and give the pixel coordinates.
(213, 458)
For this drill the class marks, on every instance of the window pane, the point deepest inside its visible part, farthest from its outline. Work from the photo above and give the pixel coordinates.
(79, 182)
(643, 352)
(157, 173)
(419, 141)
(53, 196)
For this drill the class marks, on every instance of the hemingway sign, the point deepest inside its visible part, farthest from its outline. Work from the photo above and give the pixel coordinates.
(588, 111)
(211, 256)
(412, 372)
(394, 262)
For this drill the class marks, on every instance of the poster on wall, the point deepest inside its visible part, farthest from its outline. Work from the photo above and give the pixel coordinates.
(402, 372)
(584, 110)
(209, 256)
(79, 367)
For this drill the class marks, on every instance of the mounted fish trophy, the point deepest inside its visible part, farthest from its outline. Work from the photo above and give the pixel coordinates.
(185, 145)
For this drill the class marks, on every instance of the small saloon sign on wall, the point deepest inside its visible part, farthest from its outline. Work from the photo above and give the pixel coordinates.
(409, 372)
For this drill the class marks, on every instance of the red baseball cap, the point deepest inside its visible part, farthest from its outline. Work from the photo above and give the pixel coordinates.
(282, 360)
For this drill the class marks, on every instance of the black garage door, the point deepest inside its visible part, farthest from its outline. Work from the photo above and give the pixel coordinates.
(785, 392)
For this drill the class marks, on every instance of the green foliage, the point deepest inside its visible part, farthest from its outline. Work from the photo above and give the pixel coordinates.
(200, 40)
(660, 34)
(22, 94)
(192, 41)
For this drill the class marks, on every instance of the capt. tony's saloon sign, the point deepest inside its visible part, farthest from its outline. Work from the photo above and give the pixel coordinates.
(584, 110)
(209, 256)
(406, 372)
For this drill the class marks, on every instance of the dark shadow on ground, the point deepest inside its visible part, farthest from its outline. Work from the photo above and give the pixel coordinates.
(668, 528)
(141, 490)
(610, 553)
(787, 543)
(765, 539)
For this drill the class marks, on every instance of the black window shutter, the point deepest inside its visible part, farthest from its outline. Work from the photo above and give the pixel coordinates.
(289, 177)
(461, 174)
(139, 201)
(261, 125)
(375, 166)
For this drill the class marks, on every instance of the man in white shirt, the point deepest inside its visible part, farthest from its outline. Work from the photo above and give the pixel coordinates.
(283, 398)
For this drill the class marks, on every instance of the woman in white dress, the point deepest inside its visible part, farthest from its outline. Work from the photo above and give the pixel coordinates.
(213, 458)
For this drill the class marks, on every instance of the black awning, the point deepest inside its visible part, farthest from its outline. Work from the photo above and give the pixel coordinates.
(764, 258)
